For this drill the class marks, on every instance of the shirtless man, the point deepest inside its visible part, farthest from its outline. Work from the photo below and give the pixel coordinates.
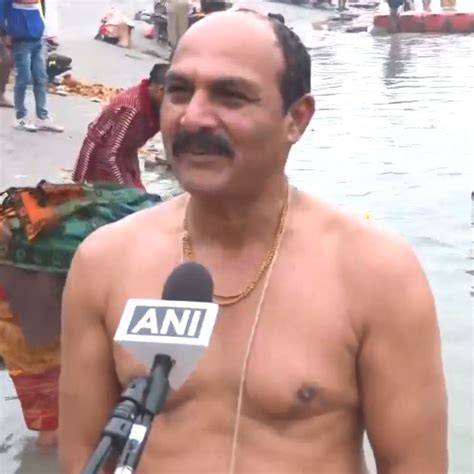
(347, 338)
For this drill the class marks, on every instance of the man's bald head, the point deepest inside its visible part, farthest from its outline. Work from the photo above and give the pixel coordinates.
(236, 100)
(295, 77)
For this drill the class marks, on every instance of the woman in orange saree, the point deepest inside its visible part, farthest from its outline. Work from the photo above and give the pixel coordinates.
(35, 374)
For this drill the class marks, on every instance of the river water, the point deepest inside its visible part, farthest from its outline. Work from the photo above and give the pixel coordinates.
(392, 136)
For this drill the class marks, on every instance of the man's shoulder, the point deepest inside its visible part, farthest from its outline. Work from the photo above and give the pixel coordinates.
(364, 247)
(378, 268)
(379, 272)
(119, 109)
(127, 99)
(378, 251)
(112, 114)
(114, 242)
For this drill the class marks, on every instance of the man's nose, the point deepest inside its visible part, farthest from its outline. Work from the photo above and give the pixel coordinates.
(199, 114)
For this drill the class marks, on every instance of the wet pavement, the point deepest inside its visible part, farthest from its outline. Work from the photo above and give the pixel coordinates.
(392, 135)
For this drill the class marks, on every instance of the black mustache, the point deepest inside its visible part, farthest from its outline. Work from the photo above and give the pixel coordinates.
(204, 141)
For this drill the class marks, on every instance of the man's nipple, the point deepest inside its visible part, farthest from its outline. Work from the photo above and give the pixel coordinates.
(306, 393)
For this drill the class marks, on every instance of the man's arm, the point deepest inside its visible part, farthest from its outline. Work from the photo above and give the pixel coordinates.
(88, 387)
(400, 368)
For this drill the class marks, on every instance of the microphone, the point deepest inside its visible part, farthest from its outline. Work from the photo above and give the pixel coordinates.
(189, 282)
(168, 336)
(179, 325)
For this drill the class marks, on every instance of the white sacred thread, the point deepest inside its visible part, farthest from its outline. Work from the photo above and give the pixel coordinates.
(243, 374)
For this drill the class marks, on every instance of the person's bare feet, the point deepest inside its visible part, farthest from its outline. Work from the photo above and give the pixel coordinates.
(47, 439)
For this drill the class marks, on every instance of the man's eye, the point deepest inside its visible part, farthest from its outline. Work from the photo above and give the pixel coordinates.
(175, 88)
(234, 99)
(236, 95)
(178, 93)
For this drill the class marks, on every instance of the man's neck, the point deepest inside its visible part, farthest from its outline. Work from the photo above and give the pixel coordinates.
(232, 222)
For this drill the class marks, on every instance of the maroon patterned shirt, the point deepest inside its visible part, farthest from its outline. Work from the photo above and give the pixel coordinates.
(110, 149)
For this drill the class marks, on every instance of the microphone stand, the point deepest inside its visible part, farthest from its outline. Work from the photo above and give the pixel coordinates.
(117, 430)
(154, 400)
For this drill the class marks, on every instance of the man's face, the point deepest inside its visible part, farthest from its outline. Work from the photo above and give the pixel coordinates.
(222, 116)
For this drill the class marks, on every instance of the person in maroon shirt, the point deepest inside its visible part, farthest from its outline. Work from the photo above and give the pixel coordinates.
(110, 149)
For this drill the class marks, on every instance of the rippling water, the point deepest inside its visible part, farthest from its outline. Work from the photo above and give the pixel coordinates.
(393, 135)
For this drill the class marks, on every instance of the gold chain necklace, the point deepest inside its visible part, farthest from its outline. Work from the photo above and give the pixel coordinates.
(227, 300)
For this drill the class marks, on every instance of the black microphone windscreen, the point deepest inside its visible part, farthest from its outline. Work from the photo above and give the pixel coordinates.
(189, 282)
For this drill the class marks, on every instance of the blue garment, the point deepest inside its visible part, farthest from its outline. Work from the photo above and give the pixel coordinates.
(29, 58)
(21, 19)
(395, 4)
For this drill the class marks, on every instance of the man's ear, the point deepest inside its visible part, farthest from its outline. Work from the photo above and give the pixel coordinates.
(299, 116)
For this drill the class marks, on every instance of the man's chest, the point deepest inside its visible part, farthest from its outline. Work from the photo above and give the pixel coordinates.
(300, 360)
